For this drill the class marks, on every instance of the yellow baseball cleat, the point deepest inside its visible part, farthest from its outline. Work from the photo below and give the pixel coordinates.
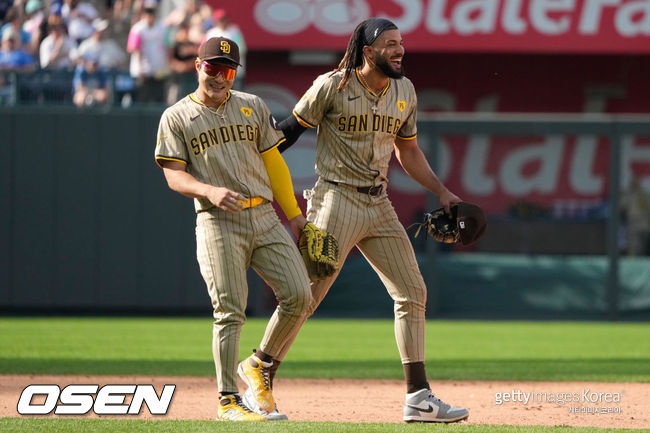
(256, 374)
(231, 408)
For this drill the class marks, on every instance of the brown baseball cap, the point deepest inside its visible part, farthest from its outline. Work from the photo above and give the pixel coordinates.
(217, 49)
(471, 222)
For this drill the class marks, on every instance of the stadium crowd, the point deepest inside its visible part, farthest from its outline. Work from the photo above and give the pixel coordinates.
(91, 52)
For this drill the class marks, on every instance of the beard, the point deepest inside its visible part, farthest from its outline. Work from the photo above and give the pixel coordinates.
(382, 64)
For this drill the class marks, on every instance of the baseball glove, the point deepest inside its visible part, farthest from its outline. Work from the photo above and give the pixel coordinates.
(319, 250)
(441, 226)
(465, 223)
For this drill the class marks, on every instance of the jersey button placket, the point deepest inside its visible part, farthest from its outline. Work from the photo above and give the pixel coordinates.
(255, 219)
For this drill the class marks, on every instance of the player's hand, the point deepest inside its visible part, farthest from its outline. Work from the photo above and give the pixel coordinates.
(297, 224)
(448, 198)
(225, 199)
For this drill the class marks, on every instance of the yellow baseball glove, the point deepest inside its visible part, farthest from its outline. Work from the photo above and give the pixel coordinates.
(319, 250)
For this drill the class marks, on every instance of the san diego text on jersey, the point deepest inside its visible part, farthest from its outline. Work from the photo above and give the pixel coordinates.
(223, 135)
(380, 123)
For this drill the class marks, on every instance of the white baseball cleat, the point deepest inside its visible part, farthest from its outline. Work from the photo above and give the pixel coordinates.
(251, 402)
(423, 406)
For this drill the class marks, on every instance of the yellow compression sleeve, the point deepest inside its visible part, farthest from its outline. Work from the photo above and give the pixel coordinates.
(281, 182)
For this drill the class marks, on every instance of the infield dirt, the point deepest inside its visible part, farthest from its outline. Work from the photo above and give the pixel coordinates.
(344, 400)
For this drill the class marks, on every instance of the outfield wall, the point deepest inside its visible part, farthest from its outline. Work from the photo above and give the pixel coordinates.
(88, 225)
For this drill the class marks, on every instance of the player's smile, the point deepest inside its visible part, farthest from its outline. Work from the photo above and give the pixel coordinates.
(217, 88)
(391, 66)
(216, 85)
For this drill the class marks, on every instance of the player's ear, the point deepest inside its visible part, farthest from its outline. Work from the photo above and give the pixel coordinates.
(197, 64)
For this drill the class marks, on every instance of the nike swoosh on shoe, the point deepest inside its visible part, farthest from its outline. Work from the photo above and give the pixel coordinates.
(427, 409)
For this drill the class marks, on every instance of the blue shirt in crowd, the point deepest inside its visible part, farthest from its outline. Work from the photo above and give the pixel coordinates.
(15, 59)
(95, 80)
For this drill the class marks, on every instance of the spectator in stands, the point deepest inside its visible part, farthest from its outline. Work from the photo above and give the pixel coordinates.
(137, 11)
(182, 14)
(190, 13)
(635, 203)
(14, 20)
(118, 10)
(206, 12)
(90, 83)
(149, 56)
(53, 17)
(12, 57)
(79, 17)
(184, 51)
(182, 60)
(119, 14)
(56, 49)
(196, 31)
(109, 53)
(34, 19)
(227, 29)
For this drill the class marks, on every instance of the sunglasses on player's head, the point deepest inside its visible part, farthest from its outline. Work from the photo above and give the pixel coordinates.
(214, 69)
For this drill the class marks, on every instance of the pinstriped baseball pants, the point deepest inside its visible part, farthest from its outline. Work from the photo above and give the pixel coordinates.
(372, 225)
(227, 244)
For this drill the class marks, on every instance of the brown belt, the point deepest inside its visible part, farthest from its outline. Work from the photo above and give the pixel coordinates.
(370, 190)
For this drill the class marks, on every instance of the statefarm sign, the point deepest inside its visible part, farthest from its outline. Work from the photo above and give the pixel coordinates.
(579, 26)
(567, 175)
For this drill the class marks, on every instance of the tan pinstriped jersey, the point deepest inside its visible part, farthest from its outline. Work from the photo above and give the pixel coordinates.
(356, 127)
(220, 151)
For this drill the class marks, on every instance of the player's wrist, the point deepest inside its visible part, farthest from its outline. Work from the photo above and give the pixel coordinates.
(299, 220)
(206, 191)
(439, 189)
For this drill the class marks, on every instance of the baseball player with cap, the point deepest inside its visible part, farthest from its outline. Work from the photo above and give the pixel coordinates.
(364, 110)
(218, 147)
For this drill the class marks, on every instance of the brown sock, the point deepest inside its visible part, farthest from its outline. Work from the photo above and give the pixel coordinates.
(274, 369)
(263, 356)
(416, 376)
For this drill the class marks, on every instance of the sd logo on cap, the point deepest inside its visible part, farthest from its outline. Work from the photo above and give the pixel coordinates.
(218, 50)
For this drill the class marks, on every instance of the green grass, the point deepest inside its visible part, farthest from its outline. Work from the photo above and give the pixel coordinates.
(137, 426)
(564, 351)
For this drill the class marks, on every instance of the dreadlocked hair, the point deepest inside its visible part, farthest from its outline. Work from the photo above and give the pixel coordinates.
(353, 57)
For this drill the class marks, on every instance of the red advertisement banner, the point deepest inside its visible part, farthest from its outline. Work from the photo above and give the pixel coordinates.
(565, 174)
(550, 26)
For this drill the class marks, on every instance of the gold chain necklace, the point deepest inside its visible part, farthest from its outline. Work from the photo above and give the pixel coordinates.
(365, 83)
(363, 80)
(222, 116)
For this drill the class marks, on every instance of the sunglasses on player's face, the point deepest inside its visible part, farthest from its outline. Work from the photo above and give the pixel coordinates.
(214, 69)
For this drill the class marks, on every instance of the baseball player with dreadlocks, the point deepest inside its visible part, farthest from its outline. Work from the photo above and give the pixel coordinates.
(218, 147)
(364, 110)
